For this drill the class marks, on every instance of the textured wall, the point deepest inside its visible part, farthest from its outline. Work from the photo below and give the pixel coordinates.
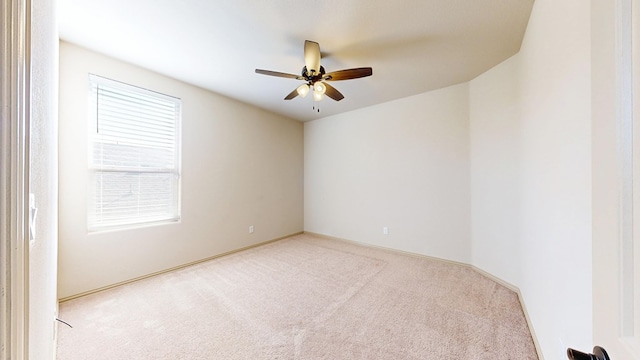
(43, 181)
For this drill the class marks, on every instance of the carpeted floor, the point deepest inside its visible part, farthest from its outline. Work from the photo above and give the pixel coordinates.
(303, 297)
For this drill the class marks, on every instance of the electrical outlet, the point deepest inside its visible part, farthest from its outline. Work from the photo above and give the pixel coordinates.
(385, 230)
(250, 229)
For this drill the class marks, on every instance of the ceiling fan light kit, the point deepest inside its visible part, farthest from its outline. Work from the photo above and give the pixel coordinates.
(315, 76)
(303, 90)
(319, 87)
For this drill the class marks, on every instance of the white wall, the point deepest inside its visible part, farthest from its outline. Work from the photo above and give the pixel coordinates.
(402, 164)
(496, 179)
(43, 177)
(531, 173)
(241, 166)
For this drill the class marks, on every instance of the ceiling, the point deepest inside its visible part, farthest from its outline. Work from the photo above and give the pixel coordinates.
(414, 46)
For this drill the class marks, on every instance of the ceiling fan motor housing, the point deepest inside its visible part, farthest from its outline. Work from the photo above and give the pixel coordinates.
(312, 78)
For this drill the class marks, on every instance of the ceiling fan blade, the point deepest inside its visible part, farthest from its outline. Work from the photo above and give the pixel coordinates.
(312, 57)
(333, 93)
(279, 74)
(348, 74)
(292, 94)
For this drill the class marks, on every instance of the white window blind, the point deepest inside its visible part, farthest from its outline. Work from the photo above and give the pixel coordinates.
(134, 155)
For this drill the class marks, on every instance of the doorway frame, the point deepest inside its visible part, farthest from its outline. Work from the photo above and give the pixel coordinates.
(612, 118)
(15, 61)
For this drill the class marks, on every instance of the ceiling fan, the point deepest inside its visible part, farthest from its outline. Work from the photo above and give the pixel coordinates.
(315, 77)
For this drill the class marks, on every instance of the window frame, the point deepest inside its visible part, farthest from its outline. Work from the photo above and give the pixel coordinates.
(94, 225)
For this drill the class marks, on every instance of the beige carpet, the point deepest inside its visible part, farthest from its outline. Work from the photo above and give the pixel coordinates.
(303, 297)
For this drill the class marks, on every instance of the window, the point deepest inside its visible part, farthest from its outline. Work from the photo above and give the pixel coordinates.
(133, 155)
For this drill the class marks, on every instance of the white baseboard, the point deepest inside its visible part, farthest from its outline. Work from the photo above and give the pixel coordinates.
(522, 303)
(172, 269)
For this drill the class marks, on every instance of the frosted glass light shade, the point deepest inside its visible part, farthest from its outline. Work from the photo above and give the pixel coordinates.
(317, 96)
(319, 87)
(303, 90)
